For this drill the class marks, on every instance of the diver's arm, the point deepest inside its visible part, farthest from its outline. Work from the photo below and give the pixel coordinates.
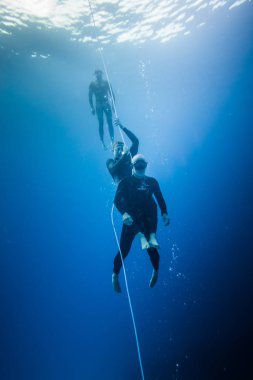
(121, 203)
(135, 141)
(111, 167)
(91, 91)
(114, 167)
(132, 138)
(159, 197)
(120, 197)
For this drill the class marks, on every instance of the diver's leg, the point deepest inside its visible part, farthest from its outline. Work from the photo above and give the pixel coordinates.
(155, 259)
(153, 241)
(126, 239)
(152, 227)
(143, 239)
(141, 230)
(100, 116)
(108, 113)
(143, 223)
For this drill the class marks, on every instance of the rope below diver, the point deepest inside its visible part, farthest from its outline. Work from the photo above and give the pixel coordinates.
(128, 295)
(112, 219)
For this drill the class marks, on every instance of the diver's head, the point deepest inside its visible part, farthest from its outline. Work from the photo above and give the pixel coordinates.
(117, 149)
(98, 74)
(139, 165)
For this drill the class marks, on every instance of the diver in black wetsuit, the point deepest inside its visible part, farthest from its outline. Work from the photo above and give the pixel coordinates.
(134, 200)
(120, 166)
(101, 90)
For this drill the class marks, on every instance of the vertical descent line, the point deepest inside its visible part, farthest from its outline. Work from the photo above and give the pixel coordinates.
(112, 219)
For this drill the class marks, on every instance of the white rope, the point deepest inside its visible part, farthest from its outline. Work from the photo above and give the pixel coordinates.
(112, 219)
(128, 296)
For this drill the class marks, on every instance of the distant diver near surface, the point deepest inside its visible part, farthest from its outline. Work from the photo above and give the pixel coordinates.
(134, 200)
(102, 91)
(120, 165)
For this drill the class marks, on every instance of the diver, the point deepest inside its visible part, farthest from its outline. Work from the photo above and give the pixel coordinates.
(120, 166)
(102, 91)
(134, 200)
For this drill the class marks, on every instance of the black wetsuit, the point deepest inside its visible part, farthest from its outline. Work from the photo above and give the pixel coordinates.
(122, 167)
(101, 90)
(127, 236)
(135, 196)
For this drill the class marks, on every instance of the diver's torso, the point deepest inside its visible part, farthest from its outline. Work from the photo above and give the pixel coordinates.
(100, 90)
(141, 194)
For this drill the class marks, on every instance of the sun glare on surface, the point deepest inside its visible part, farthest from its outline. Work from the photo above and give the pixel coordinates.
(116, 21)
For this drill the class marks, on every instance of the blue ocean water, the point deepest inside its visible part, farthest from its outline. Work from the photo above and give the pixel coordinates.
(189, 101)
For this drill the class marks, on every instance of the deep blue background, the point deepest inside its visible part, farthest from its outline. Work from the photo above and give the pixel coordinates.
(191, 108)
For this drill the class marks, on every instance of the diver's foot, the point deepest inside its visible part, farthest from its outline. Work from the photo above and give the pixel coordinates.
(115, 283)
(153, 242)
(154, 278)
(144, 242)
